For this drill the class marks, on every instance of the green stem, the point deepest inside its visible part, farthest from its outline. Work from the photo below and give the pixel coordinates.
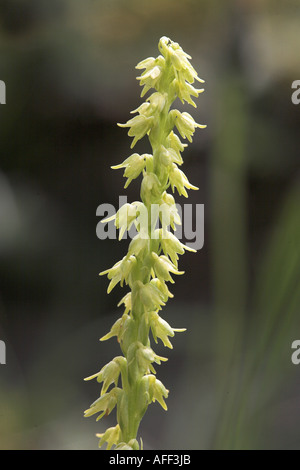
(169, 74)
(157, 137)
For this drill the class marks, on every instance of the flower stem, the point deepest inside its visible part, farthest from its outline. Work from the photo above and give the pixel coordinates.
(153, 253)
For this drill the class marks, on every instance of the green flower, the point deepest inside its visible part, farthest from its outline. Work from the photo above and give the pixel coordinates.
(185, 124)
(139, 126)
(185, 90)
(150, 189)
(125, 216)
(148, 295)
(153, 73)
(105, 403)
(153, 105)
(144, 356)
(132, 445)
(138, 245)
(117, 328)
(133, 165)
(179, 181)
(110, 436)
(161, 329)
(109, 374)
(175, 143)
(180, 59)
(162, 267)
(172, 247)
(169, 156)
(120, 272)
(156, 390)
(162, 287)
(169, 211)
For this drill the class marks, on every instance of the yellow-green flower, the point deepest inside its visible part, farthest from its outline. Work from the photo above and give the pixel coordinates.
(185, 124)
(110, 436)
(179, 181)
(133, 165)
(105, 403)
(139, 126)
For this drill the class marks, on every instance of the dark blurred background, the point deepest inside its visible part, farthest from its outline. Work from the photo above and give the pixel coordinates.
(69, 69)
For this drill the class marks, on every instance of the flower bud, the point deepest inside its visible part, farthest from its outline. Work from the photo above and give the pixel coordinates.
(127, 268)
(169, 211)
(132, 445)
(150, 189)
(163, 46)
(138, 245)
(128, 334)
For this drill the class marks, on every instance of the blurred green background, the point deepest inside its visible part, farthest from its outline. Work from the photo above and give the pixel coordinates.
(69, 70)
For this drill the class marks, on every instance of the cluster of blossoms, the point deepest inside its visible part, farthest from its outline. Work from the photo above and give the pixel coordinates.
(152, 256)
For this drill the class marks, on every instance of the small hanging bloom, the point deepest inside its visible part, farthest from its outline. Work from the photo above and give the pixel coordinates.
(155, 390)
(125, 217)
(120, 272)
(109, 374)
(105, 403)
(185, 91)
(153, 73)
(133, 165)
(185, 124)
(132, 445)
(139, 126)
(116, 330)
(111, 436)
(163, 266)
(179, 181)
(169, 212)
(172, 247)
(161, 329)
